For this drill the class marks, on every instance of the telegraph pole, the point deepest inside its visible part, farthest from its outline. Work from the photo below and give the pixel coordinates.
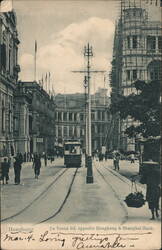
(89, 179)
(88, 53)
(86, 123)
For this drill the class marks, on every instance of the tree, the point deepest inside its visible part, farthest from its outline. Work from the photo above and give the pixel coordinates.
(144, 107)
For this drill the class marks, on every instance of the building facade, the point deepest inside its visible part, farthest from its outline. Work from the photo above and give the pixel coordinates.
(35, 115)
(9, 70)
(71, 114)
(137, 55)
(22, 103)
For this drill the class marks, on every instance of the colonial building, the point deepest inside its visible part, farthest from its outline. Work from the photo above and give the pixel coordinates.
(9, 69)
(34, 114)
(70, 118)
(137, 55)
(22, 103)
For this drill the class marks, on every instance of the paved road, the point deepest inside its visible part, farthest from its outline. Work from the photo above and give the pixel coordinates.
(62, 195)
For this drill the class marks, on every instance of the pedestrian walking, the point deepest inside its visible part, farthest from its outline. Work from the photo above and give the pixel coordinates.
(25, 157)
(116, 158)
(5, 171)
(93, 154)
(52, 158)
(28, 156)
(31, 157)
(45, 158)
(106, 155)
(57, 153)
(151, 178)
(17, 168)
(36, 165)
(132, 158)
(100, 156)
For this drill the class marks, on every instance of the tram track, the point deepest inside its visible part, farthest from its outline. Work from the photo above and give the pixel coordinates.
(37, 198)
(64, 201)
(123, 207)
(117, 175)
(127, 180)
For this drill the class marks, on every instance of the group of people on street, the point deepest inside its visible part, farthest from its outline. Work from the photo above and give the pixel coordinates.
(17, 165)
(98, 154)
(5, 166)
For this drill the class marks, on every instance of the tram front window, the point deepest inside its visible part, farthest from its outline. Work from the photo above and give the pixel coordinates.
(73, 149)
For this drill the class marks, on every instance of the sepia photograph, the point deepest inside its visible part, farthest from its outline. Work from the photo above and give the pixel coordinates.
(80, 124)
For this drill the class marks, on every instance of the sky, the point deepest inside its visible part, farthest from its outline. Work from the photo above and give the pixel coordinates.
(62, 28)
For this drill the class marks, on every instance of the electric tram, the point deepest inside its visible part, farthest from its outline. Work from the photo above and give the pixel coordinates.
(72, 153)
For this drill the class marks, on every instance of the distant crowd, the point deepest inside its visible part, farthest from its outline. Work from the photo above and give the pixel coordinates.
(115, 155)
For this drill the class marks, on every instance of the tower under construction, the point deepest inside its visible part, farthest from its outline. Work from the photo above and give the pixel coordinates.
(137, 55)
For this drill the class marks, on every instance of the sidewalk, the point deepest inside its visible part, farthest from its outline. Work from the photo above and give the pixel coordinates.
(28, 190)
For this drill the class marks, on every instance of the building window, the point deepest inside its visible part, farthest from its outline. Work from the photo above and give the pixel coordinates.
(70, 131)
(10, 118)
(59, 131)
(134, 74)
(9, 61)
(92, 116)
(65, 116)
(160, 43)
(81, 117)
(93, 129)
(103, 129)
(99, 115)
(81, 132)
(70, 116)
(75, 116)
(103, 115)
(155, 74)
(151, 43)
(56, 116)
(134, 42)
(65, 131)
(3, 56)
(75, 132)
(59, 116)
(154, 70)
(99, 128)
(128, 42)
(128, 74)
(108, 115)
(3, 117)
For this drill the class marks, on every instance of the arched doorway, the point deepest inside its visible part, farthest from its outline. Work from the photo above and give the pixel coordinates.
(154, 70)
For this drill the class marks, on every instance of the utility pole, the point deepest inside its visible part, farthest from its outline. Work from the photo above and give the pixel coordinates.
(86, 123)
(89, 179)
(88, 53)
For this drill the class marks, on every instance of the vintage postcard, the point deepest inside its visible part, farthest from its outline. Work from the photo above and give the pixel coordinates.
(80, 102)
